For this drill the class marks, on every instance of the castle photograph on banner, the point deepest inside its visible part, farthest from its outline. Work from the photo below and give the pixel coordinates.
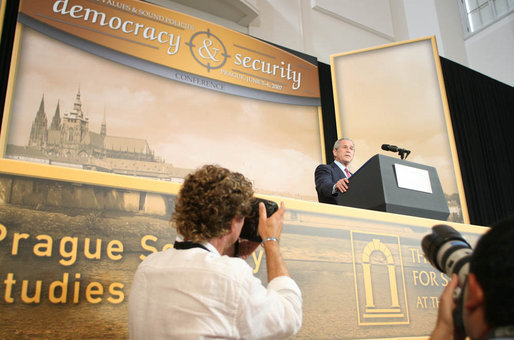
(92, 110)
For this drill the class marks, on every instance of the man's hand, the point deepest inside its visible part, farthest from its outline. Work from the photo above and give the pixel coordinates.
(342, 185)
(268, 227)
(444, 327)
(271, 226)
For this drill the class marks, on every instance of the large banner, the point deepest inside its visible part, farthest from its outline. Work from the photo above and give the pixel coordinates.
(109, 105)
(68, 253)
(157, 36)
(130, 88)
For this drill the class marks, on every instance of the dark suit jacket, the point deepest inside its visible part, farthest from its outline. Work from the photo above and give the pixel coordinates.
(325, 176)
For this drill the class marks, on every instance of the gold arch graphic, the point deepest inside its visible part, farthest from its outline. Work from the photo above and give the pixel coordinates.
(377, 245)
(389, 311)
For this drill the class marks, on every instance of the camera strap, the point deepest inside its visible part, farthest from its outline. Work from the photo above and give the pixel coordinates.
(188, 245)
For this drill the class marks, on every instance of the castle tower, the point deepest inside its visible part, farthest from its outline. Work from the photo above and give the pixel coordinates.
(39, 133)
(77, 107)
(75, 126)
(103, 130)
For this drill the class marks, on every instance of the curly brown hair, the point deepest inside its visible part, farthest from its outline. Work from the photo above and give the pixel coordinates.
(208, 200)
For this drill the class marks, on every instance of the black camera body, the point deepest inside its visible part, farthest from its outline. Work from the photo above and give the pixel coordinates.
(450, 253)
(250, 230)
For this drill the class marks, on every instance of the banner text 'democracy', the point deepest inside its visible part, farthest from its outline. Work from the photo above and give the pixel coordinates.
(180, 42)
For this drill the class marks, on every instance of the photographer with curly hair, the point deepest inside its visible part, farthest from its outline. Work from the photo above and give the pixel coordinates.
(200, 289)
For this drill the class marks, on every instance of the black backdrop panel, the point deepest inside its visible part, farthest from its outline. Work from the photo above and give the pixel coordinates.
(482, 113)
(328, 109)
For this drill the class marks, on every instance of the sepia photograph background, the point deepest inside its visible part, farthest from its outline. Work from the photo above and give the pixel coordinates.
(277, 146)
(392, 95)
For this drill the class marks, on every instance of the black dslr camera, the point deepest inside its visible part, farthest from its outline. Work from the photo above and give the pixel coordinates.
(450, 253)
(250, 229)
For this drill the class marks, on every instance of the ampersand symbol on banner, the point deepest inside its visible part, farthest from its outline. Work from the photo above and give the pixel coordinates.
(206, 44)
(207, 54)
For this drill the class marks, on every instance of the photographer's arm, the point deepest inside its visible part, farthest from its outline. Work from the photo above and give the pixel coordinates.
(444, 327)
(270, 228)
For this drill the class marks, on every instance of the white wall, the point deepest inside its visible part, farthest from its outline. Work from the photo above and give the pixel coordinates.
(325, 27)
(451, 32)
(491, 51)
(320, 27)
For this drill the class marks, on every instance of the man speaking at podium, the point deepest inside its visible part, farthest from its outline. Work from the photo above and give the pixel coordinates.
(332, 179)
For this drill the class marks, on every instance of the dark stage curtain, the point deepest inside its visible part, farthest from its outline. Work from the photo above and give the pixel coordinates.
(482, 114)
(327, 109)
(8, 28)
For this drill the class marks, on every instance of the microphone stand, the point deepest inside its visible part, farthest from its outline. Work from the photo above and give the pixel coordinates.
(403, 153)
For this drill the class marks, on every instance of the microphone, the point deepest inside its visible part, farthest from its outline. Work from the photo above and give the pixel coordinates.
(402, 152)
(388, 147)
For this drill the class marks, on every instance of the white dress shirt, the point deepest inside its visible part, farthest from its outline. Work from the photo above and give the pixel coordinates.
(198, 294)
(342, 167)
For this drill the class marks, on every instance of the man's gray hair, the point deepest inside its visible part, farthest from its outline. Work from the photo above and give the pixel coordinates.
(336, 144)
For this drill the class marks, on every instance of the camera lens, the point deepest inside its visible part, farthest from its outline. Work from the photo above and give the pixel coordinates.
(448, 251)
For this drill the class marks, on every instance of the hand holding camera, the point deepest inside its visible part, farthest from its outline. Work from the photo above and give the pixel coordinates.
(262, 222)
(445, 323)
(449, 252)
(250, 229)
(271, 227)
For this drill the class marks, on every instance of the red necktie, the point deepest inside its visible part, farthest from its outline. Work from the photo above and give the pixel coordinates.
(347, 172)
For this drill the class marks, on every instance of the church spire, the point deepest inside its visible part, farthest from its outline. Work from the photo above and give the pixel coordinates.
(56, 120)
(38, 132)
(41, 105)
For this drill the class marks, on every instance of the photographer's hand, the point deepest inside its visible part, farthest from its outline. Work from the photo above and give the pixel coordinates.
(444, 327)
(270, 230)
(271, 226)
